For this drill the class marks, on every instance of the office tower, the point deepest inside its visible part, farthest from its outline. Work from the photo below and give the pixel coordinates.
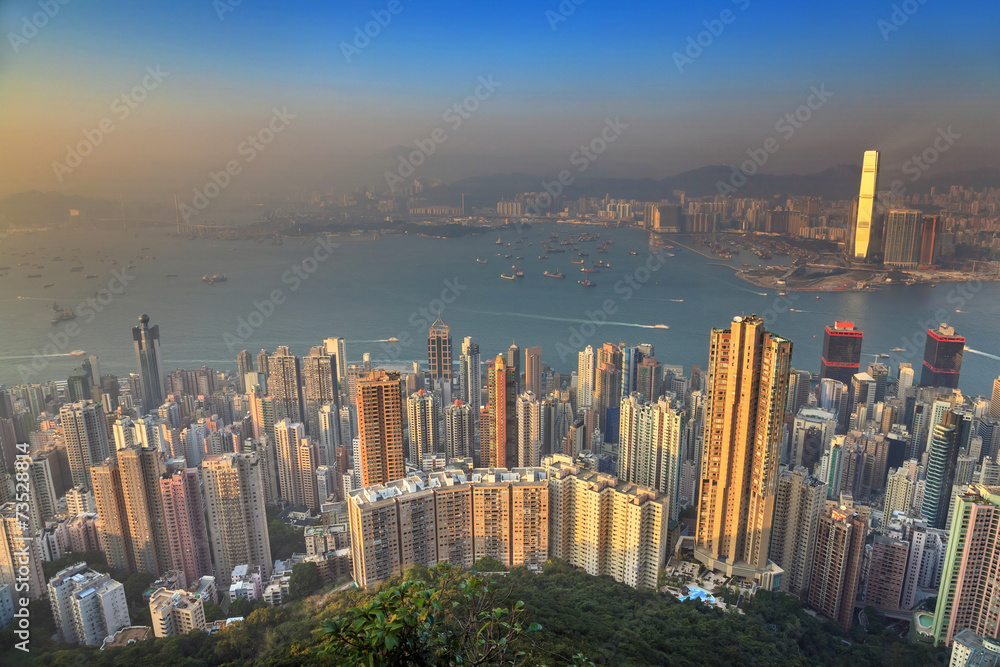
(942, 457)
(739, 462)
(237, 523)
(799, 500)
(500, 448)
(905, 379)
(812, 432)
(607, 395)
(604, 525)
(458, 425)
(422, 411)
(533, 371)
(320, 372)
(651, 439)
(969, 593)
(840, 546)
(86, 434)
(898, 493)
(887, 572)
(287, 438)
(447, 516)
(176, 612)
(585, 378)
(648, 379)
(79, 386)
(942, 358)
(439, 350)
(147, 356)
(514, 361)
(841, 352)
(335, 348)
(20, 554)
(929, 241)
(184, 521)
(833, 396)
(798, 391)
(529, 430)
(380, 458)
(471, 386)
(903, 230)
(140, 470)
(284, 383)
(865, 231)
(862, 396)
(87, 606)
(632, 356)
(108, 496)
(244, 365)
(879, 373)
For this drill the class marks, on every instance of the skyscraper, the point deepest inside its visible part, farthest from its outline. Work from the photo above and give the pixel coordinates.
(86, 434)
(147, 357)
(237, 522)
(799, 501)
(320, 371)
(284, 383)
(141, 469)
(20, 554)
(288, 435)
(930, 230)
(649, 379)
(458, 430)
(529, 430)
(747, 390)
(380, 428)
(422, 413)
(969, 593)
(902, 238)
(184, 518)
(995, 400)
(514, 361)
(244, 365)
(942, 358)
(864, 228)
(905, 379)
(942, 456)
(335, 348)
(585, 378)
(115, 539)
(500, 448)
(533, 372)
(471, 386)
(840, 546)
(651, 438)
(841, 352)
(439, 350)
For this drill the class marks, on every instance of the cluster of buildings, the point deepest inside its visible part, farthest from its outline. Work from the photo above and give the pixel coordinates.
(859, 486)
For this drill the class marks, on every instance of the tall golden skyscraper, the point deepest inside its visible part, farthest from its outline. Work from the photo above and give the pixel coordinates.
(380, 428)
(747, 388)
(439, 350)
(864, 229)
(500, 447)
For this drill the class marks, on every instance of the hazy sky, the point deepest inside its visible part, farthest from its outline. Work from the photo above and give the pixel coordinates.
(893, 85)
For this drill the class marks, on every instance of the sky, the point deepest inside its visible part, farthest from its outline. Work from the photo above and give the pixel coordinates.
(696, 84)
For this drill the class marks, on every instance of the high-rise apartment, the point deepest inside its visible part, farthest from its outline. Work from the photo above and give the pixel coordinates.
(458, 428)
(500, 448)
(320, 374)
(20, 554)
(141, 469)
(471, 385)
(800, 500)
(87, 606)
(902, 238)
(422, 413)
(747, 389)
(184, 520)
(284, 383)
(439, 350)
(380, 457)
(840, 545)
(533, 371)
(86, 434)
(651, 443)
(585, 378)
(287, 438)
(244, 365)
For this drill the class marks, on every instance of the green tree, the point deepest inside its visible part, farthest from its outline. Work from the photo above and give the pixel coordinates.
(305, 580)
(213, 612)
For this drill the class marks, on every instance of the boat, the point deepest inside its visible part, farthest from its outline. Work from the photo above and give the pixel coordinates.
(90, 275)
(76, 268)
(519, 257)
(507, 256)
(585, 283)
(48, 284)
(63, 315)
(583, 254)
(600, 264)
(78, 353)
(499, 242)
(217, 278)
(633, 253)
(549, 274)
(576, 261)
(660, 326)
(555, 250)
(899, 349)
(481, 261)
(602, 250)
(520, 272)
(883, 356)
(543, 257)
(586, 270)
(505, 277)
(392, 339)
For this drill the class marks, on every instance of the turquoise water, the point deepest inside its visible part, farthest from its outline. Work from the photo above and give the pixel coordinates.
(369, 292)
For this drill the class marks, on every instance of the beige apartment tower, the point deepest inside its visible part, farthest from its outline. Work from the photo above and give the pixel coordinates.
(744, 409)
(380, 428)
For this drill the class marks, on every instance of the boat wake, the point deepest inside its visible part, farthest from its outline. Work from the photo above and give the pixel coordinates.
(569, 319)
(983, 354)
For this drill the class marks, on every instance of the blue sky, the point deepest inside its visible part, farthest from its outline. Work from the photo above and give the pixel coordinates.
(940, 67)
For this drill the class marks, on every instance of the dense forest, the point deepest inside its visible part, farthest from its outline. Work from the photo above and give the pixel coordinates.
(567, 618)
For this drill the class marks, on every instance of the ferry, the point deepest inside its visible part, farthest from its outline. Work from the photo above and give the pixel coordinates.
(585, 283)
(481, 261)
(899, 349)
(78, 353)
(506, 277)
(519, 257)
(576, 261)
(554, 275)
(392, 339)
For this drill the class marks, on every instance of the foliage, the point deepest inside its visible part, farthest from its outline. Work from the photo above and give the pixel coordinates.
(285, 540)
(95, 560)
(488, 564)
(412, 624)
(305, 580)
(213, 612)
